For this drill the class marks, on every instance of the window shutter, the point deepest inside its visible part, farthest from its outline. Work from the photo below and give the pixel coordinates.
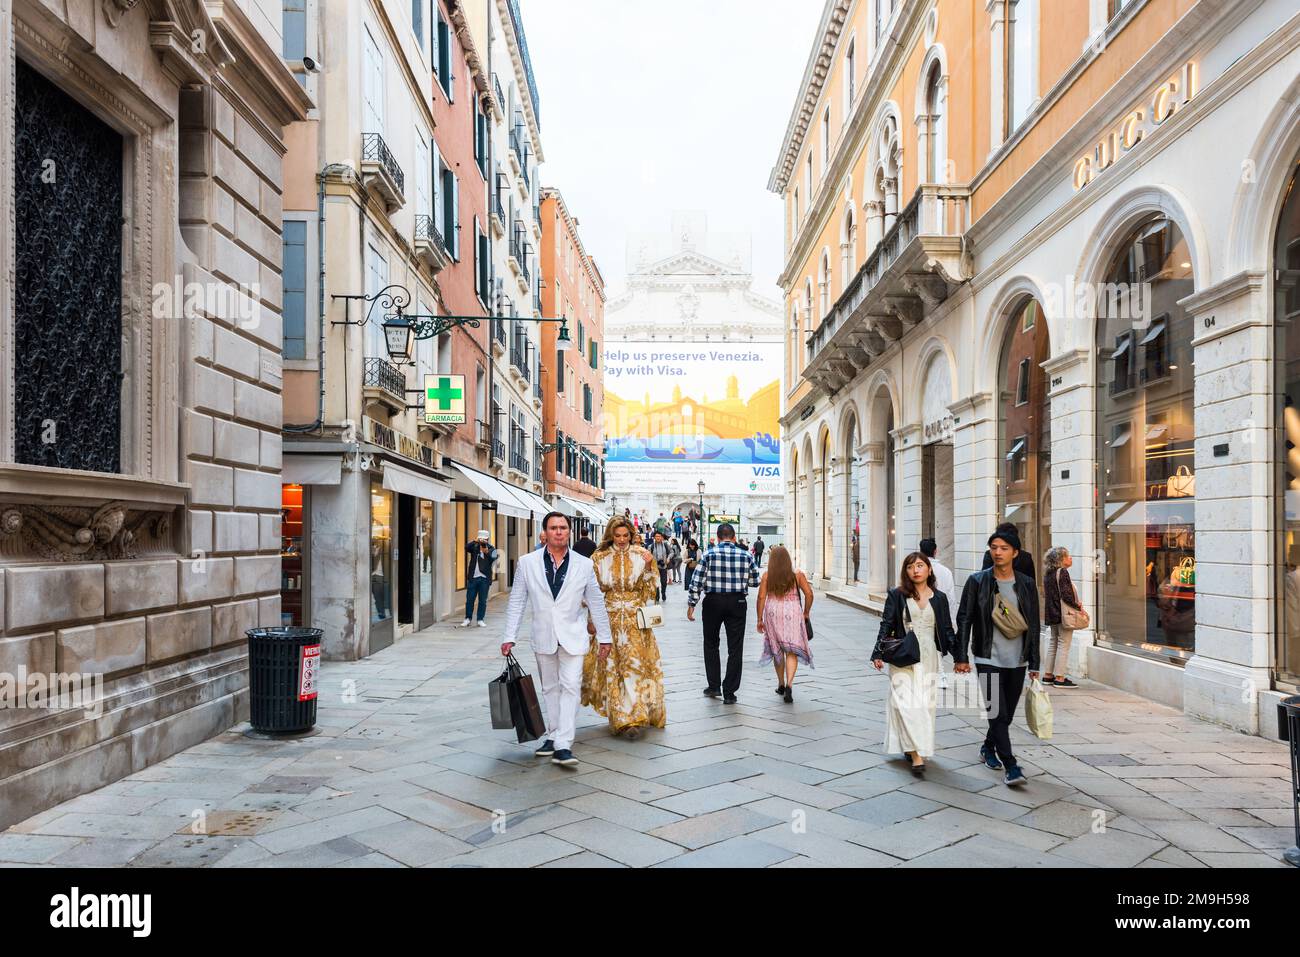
(435, 178)
(477, 252)
(455, 213)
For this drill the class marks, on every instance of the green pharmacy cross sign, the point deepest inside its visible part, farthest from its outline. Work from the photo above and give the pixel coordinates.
(444, 398)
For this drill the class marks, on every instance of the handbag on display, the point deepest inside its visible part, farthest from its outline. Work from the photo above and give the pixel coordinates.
(1182, 483)
(1185, 573)
(649, 616)
(1071, 617)
(905, 651)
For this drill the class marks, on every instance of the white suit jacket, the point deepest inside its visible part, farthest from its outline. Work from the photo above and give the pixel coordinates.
(944, 582)
(559, 622)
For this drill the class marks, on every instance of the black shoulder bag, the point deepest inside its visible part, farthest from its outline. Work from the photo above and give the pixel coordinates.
(905, 651)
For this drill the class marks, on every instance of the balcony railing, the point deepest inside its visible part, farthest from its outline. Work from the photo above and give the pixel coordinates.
(381, 169)
(496, 89)
(499, 331)
(484, 437)
(498, 449)
(498, 208)
(537, 386)
(897, 283)
(429, 243)
(519, 359)
(381, 374)
(517, 142)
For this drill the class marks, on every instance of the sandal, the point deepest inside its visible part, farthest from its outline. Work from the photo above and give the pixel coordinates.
(1049, 679)
(1063, 682)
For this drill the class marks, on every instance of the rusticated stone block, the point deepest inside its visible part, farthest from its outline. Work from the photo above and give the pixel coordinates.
(206, 579)
(175, 634)
(139, 586)
(52, 595)
(229, 622)
(105, 648)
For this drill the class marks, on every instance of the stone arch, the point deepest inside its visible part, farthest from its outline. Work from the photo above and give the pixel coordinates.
(935, 124)
(847, 488)
(1008, 298)
(1261, 188)
(848, 244)
(881, 187)
(1112, 230)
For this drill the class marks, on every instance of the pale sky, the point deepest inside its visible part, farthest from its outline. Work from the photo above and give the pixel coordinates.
(653, 105)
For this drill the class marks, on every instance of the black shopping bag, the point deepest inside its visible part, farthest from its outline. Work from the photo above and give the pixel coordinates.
(525, 709)
(499, 699)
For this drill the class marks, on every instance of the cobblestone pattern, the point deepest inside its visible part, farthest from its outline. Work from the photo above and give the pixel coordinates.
(405, 771)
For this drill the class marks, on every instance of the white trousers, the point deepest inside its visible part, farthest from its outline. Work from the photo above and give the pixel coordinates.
(561, 675)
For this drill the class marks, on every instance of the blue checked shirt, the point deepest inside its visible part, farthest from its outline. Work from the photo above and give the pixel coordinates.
(726, 567)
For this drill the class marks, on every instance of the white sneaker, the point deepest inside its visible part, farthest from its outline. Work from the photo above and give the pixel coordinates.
(465, 623)
(482, 623)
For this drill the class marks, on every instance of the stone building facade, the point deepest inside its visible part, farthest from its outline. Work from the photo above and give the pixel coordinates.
(1056, 286)
(140, 383)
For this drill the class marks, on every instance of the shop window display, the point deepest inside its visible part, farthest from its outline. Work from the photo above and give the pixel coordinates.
(1286, 312)
(292, 563)
(1146, 460)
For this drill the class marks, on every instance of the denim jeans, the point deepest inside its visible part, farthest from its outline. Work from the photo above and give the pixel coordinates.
(477, 588)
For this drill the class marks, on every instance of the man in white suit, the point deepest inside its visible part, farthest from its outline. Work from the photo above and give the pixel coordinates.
(558, 582)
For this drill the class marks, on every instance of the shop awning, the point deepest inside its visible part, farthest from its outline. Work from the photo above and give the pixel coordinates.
(533, 500)
(476, 484)
(1158, 515)
(311, 469)
(581, 509)
(398, 479)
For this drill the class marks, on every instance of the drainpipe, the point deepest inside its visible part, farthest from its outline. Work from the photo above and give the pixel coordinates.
(320, 297)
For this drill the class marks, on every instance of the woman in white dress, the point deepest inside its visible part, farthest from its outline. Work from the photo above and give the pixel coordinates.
(917, 606)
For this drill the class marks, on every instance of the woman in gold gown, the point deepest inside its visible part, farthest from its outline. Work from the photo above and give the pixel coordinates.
(627, 686)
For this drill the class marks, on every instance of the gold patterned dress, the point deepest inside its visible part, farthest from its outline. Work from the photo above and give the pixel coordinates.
(628, 686)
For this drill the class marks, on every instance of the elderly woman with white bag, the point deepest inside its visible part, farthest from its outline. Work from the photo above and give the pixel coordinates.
(1062, 614)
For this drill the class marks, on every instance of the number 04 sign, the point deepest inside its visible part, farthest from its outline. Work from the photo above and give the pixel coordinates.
(444, 398)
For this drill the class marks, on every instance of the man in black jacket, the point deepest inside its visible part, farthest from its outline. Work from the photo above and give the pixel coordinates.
(993, 603)
(480, 557)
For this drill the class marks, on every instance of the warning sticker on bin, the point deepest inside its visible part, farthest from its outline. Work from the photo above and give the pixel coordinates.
(308, 671)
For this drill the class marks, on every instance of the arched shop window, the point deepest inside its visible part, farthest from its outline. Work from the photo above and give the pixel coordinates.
(1146, 463)
(1286, 312)
(1024, 429)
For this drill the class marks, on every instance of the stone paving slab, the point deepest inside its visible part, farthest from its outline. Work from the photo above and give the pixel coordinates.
(405, 771)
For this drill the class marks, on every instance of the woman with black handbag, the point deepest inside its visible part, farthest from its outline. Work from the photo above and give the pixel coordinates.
(915, 632)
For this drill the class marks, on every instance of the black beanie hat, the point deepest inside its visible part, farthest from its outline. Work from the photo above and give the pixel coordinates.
(1011, 538)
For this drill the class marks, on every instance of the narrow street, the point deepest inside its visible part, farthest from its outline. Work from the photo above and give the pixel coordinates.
(405, 770)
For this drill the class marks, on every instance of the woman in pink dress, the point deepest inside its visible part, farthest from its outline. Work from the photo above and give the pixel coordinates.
(784, 602)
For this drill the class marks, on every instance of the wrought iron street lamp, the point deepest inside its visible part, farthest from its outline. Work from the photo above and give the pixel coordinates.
(400, 338)
(703, 523)
(426, 326)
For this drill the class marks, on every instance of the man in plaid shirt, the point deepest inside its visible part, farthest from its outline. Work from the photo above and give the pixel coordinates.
(725, 574)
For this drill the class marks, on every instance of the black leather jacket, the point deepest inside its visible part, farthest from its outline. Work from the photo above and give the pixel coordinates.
(891, 621)
(975, 617)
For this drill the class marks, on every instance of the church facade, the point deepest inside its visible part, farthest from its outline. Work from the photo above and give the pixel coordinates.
(693, 382)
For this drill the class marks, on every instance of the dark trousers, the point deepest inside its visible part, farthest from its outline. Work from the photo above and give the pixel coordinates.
(724, 608)
(663, 582)
(1001, 688)
(477, 588)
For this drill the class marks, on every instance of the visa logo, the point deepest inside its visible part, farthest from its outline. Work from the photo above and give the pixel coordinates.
(767, 470)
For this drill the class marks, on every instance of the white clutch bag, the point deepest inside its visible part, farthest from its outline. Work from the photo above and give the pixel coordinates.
(649, 616)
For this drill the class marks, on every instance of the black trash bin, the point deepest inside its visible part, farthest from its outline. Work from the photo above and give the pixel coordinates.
(1292, 708)
(283, 667)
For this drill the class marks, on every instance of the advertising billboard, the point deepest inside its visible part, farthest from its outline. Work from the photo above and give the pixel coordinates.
(676, 413)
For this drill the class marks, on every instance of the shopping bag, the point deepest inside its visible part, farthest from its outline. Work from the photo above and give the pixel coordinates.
(499, 699)
(525, 709)
(1038, 710)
